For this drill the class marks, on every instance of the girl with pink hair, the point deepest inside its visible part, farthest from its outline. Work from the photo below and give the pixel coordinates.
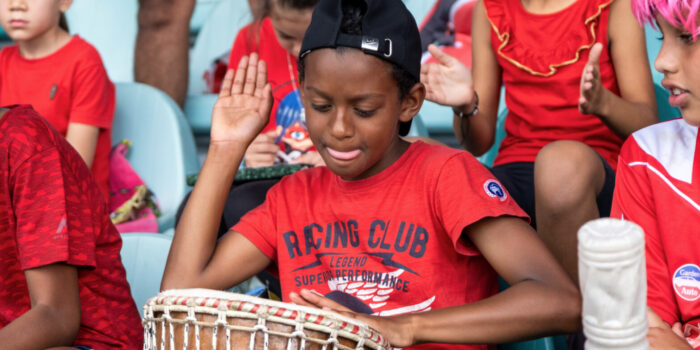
(658, 180)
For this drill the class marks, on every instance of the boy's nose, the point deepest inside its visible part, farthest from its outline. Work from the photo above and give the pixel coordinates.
(340, 124)
(666, 61)
(18, 4)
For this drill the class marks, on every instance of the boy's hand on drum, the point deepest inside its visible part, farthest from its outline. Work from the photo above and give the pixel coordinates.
(244, 103)
(263, 151)
(448, 82)
(592, 96)
(397, 330)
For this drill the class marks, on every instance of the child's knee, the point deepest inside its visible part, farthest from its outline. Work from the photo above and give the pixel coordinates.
(567, 173)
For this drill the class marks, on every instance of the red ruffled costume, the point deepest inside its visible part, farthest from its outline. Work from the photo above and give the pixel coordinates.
(542, 57)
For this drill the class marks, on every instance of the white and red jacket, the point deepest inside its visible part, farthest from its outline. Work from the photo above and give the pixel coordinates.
(658, 187)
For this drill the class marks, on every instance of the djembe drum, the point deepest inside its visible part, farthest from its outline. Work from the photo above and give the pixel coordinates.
(208, 319)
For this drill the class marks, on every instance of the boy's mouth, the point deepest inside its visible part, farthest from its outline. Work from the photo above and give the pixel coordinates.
(678, 95)
(18, 23)
(340, 155)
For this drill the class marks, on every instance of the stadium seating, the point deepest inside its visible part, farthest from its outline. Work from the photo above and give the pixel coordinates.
(202, 10)
(163, 150)
(418, 127)
(215, 39)
(144, 256)
(111, 27)
(198, 112)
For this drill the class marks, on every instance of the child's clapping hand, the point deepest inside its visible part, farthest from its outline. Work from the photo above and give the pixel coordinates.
(592, 97)
(448, 82)
(243, 107)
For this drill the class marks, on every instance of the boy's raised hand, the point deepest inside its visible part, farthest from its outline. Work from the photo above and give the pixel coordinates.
(243, 107)
(448, 82)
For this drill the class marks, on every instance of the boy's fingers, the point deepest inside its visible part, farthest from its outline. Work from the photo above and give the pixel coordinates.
(239, 78)
(266, 105)
(251, 75)
(678, 329)
(226, 84)
(594, 55)
(261, 79)
(440, 55)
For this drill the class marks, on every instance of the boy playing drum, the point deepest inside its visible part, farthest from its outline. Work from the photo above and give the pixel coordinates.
(388, 227)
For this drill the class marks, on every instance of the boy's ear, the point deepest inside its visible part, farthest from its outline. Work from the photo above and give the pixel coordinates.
(64, 5)
(412, 102)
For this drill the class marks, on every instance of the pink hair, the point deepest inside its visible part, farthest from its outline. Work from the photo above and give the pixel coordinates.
(679, 13)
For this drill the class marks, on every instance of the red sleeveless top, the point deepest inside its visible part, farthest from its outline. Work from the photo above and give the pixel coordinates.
(542, 58)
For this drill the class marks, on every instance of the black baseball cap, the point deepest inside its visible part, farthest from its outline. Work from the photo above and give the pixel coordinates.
(389, 32)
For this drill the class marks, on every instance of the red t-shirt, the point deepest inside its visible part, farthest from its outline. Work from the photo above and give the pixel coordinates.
(287, 111)
(68, 86)
(658, 187)
(51, 211)
(387, 245)
(542, 58)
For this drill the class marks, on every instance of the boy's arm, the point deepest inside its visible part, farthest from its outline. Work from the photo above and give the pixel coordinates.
(54, 319)
(196, 259)
(83, 138)
(541, 300)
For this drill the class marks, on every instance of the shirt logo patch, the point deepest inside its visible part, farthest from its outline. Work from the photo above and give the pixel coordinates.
(686, 282)
(54, 89)
(494, 190)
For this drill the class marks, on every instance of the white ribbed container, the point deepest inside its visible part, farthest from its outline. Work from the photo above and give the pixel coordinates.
(612, 274)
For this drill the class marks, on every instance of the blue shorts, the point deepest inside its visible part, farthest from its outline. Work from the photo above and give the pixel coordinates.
(82, 347)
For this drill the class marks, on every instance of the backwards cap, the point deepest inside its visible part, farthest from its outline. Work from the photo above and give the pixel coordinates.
(389, 32)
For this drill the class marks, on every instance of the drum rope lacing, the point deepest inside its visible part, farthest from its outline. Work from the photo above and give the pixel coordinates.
(301, 322)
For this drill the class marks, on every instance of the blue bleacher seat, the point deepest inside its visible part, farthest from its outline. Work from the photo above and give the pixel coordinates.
(216, 38)
(163, 151)
(144, 256)
(202, 10)
(198, 112)
(418, 127)
(111, 27)
(419, 8)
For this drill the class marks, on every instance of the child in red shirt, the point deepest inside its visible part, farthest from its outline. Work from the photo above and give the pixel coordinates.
(658, 181)
(61, 76)
(61, 278)
(276, 37)
(418, 231)
(577, 83)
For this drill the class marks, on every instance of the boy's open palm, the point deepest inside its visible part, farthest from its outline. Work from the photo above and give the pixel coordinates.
(448, 82)
(243, 107)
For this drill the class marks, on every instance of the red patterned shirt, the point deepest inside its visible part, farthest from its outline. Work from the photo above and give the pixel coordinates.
(52, 211)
